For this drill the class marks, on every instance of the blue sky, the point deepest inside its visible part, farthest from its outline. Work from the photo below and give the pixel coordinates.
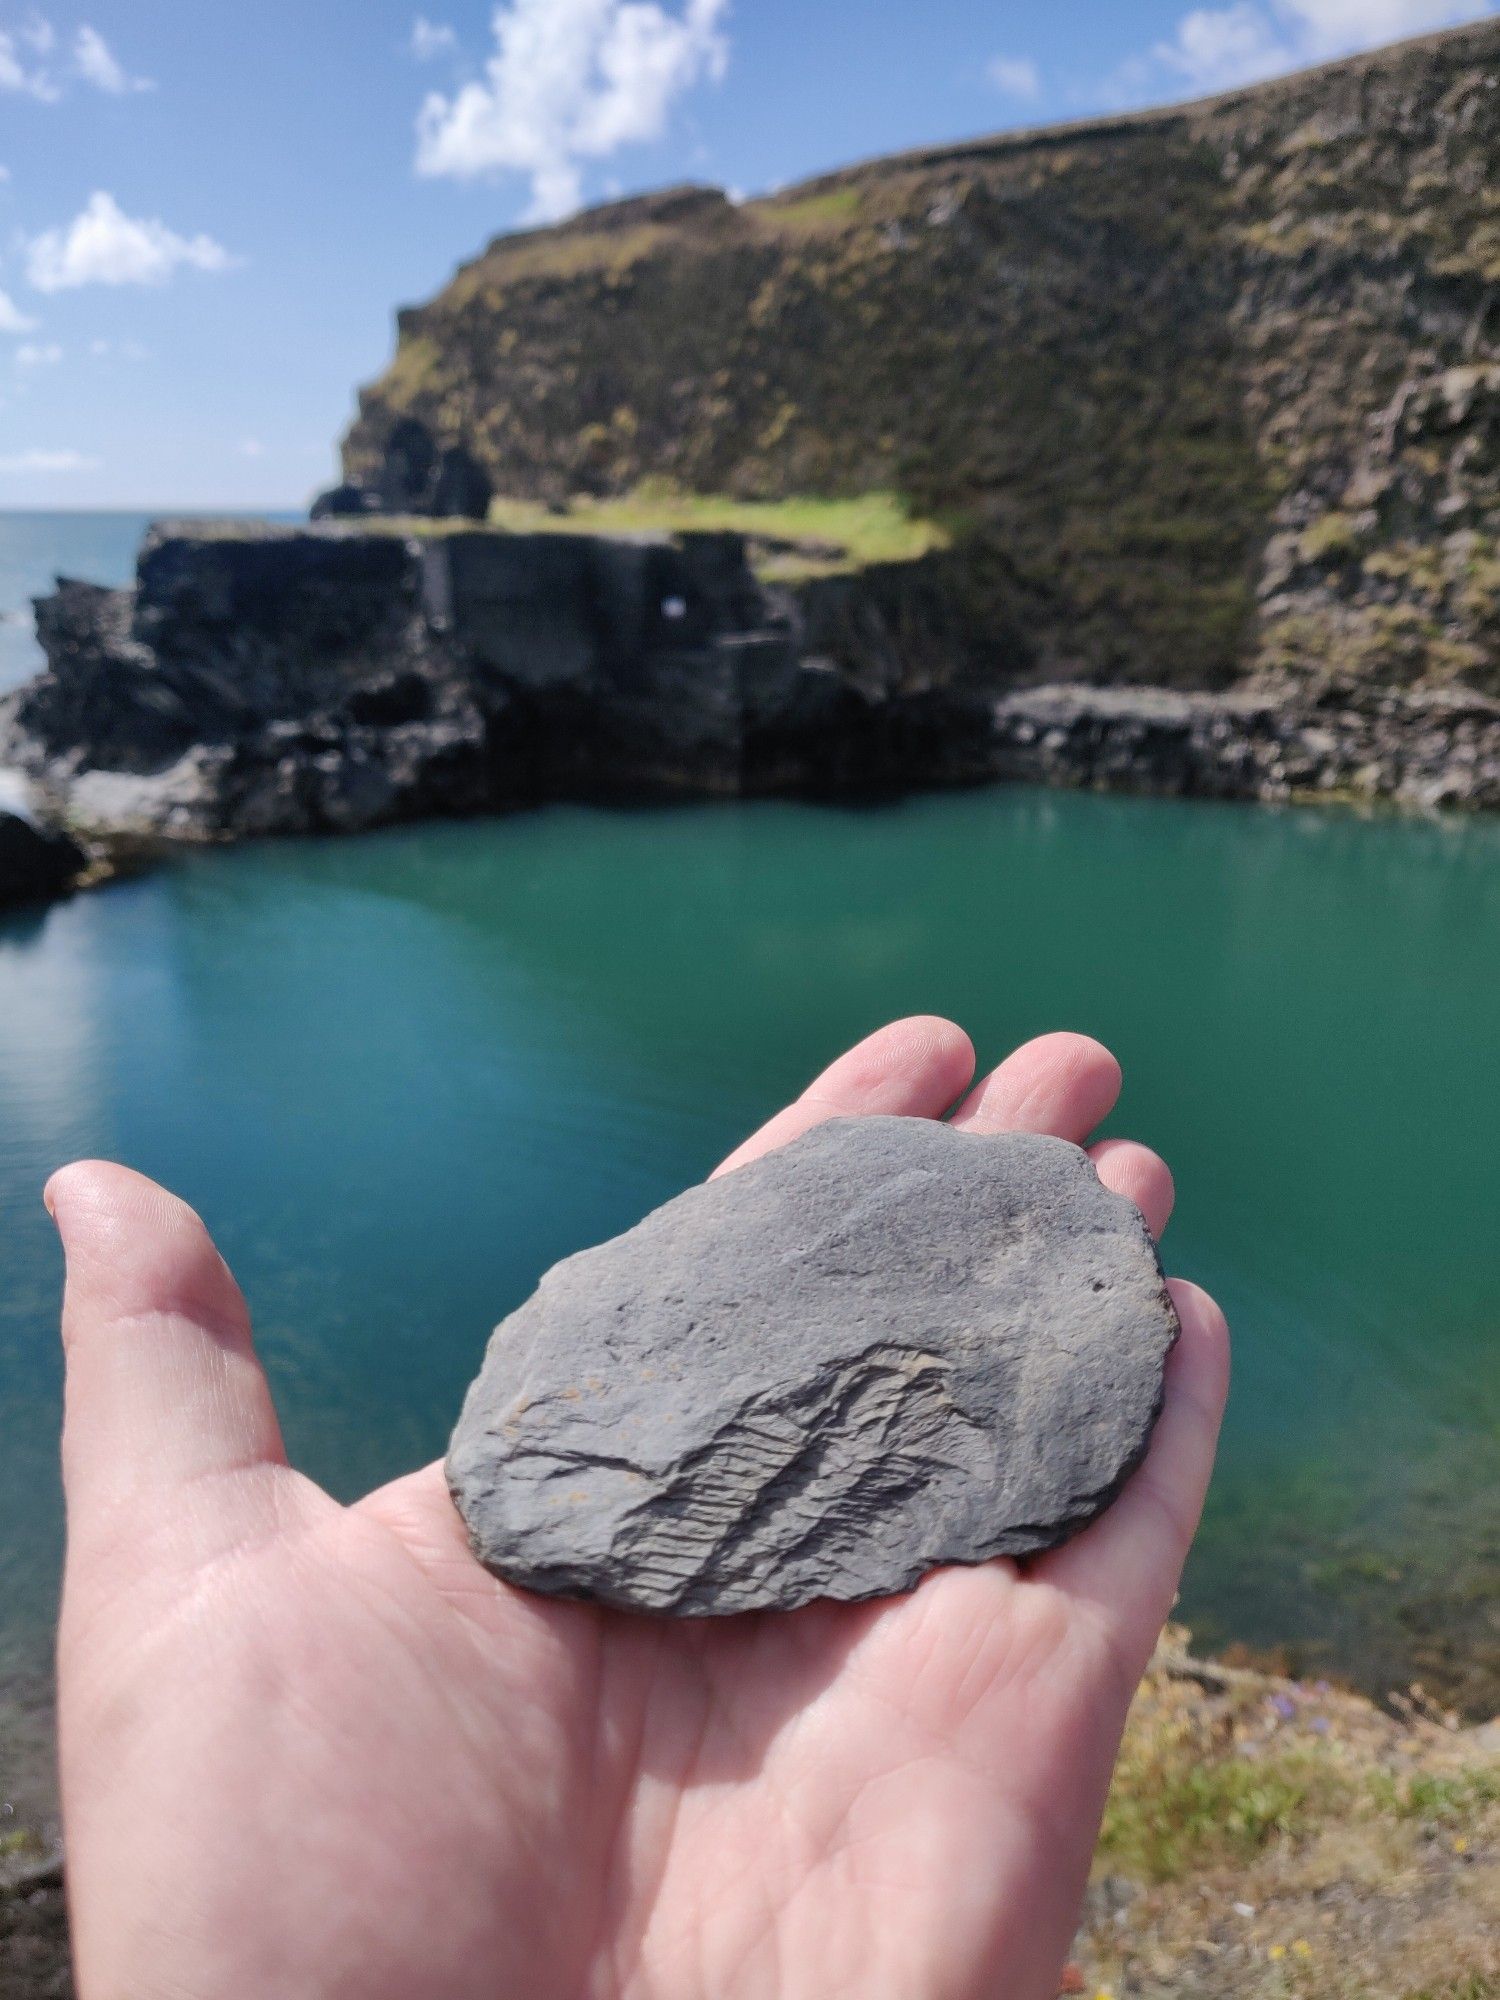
(209, 213)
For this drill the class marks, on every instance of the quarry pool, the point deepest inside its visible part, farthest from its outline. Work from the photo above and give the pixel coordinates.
(400, 1075)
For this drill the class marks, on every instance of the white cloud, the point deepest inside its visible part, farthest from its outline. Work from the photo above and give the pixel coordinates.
(97, 64)
(431, 38)
(17, 72)
(251, 448)
(47, 461)
(4, 173)
(12, 319)
(32, 355)
(104, 246)
(1337, 27)
(24, 70)
(1017, 76)
(1219, 48)
(570, 81)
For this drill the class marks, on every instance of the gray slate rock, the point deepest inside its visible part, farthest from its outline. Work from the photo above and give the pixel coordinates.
(886, 1346)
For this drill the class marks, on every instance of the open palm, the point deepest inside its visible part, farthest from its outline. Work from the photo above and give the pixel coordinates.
(315, 1750)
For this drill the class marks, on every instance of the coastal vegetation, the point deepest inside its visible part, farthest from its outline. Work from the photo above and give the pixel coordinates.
(1274, 1839)
(798, 536)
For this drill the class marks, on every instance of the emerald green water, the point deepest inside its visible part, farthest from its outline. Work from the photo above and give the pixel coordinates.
(400, 1075)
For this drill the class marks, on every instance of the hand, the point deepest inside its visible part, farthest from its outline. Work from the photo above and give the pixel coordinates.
(312, 1751)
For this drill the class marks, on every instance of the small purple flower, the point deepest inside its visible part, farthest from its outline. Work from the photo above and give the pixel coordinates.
(1284, 1706)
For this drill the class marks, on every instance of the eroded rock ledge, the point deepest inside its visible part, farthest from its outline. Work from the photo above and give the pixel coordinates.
(1416, 748)
(291, 680)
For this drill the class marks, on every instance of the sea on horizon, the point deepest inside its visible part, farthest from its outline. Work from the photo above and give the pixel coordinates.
(97, 544)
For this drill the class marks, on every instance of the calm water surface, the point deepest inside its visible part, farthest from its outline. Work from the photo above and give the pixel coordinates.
(402, 1074)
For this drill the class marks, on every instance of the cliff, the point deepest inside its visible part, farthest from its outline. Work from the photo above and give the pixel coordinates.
(276, 680)
(1195, 395)
(259, 679)
(1158, 453)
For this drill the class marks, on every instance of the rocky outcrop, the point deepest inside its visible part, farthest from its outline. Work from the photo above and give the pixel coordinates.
(261, 680)
(416, 477)
(283, 680)
(1414, 748)
(37, 861)
(1201, 392)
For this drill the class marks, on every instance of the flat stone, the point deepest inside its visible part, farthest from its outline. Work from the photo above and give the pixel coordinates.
(888, 1345)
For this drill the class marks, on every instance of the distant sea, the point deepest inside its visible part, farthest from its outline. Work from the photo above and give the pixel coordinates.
(36, 548)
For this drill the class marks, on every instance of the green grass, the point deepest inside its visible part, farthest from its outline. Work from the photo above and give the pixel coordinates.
(819, 536)
(1183, 1799)
(813, 213)
(1201, 1816)
(1438, 1799)
(1186, 1797)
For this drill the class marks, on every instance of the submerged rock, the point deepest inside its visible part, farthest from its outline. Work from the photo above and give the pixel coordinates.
(886, 1346)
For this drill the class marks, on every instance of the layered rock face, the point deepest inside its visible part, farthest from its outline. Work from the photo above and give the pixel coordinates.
(1201, 393)
(1343, 739)
(279, 680)
(263, 680)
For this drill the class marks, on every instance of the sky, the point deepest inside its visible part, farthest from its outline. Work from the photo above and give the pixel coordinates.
(209, 214)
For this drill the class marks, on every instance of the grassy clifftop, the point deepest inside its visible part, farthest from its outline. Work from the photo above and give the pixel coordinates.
(1184, 395)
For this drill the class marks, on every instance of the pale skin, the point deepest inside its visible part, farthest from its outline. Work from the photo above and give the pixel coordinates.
(313, 1751)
